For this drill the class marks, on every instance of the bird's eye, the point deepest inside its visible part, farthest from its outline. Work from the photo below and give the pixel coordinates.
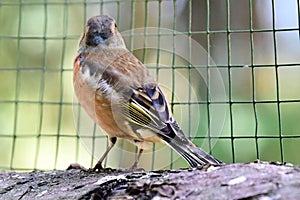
(116, 25)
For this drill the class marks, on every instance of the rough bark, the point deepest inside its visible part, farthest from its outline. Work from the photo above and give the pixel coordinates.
(231, 181)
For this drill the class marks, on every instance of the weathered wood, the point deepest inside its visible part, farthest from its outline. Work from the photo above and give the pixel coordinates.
(231, 181)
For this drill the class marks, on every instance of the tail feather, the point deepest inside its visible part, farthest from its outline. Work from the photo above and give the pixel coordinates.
(195, 156)
(198, 156)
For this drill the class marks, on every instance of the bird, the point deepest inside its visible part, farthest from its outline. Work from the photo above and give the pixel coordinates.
(119, 94)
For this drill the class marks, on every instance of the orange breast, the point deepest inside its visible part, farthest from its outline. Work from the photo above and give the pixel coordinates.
(97, 107)
(108, 120)
(84, 93)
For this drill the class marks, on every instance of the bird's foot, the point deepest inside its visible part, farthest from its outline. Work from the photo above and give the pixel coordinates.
(99, 169)
(134, 167)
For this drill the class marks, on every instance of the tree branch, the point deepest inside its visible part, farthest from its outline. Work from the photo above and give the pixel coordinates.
(231, 181)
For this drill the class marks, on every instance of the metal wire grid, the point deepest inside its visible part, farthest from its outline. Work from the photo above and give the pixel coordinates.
(36, 137)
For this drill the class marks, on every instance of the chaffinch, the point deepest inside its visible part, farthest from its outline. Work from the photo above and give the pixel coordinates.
(119, 94)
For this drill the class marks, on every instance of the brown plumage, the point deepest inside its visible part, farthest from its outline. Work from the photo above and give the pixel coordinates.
(118, 93)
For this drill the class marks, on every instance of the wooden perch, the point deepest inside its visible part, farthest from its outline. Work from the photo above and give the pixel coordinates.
(231, 181)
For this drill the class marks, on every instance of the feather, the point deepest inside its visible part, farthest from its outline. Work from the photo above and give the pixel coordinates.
(159, 120)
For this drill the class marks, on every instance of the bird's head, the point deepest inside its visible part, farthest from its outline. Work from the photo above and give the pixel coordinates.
(102, 30)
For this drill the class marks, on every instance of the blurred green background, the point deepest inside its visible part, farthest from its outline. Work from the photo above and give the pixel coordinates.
(254, 46)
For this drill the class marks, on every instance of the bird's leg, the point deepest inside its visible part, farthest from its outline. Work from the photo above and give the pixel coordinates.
(135, 164)
(98, 166)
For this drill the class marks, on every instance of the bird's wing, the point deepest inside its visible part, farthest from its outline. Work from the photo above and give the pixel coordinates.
(145, 105)
(145, 112)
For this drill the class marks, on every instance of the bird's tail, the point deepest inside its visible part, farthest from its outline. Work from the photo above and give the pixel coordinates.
(195, 156)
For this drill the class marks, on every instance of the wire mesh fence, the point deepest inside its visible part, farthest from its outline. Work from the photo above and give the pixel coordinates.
(240, 102)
